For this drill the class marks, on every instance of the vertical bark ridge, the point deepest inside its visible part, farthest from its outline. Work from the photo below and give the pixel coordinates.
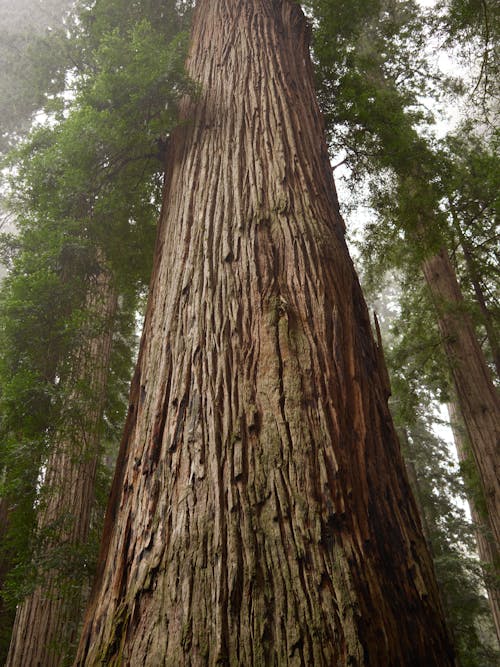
(47, 621)
(276, 524)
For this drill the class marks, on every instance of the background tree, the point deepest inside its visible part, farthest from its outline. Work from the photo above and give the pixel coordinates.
(486, 547)
(419, 380)
(88, 191)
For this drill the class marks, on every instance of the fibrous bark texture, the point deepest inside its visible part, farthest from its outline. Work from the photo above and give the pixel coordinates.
(260, 514)
(47, 621)
(486, 548)
(477, 397)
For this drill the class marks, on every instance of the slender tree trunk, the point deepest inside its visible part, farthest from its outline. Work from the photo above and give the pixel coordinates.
(488, 554)
(475, 279)
(47, 621)
(260, 512)
(413, 479)
(6, 614)
(477, 397)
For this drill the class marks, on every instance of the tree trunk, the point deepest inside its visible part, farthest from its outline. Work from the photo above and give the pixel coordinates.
(474, 277)
(477, 397)
(6, 614)
(488, 554)
(413, 479)
(47, 621)
(260, 513)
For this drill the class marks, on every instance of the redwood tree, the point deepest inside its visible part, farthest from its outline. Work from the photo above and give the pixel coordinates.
(486, 547)
(477, 395)
(46, 623)
(260, 512)
(82, 189)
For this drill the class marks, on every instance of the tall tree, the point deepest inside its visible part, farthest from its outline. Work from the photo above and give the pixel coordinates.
(94, 174)
(47, 620)
(419, 378)
(477, 396)
(260, 512)
(486, 547)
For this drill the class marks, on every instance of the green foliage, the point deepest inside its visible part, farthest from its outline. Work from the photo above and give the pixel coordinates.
(30, 66)
(85, 188)
(450, 534)
(471, 186)
(98, 168)
(472, 28)
(372, 76)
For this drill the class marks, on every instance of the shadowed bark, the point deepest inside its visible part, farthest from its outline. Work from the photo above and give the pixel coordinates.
(260, 512)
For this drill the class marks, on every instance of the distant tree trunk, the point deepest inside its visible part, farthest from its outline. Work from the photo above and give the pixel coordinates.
(47, 622)
(6, 614)
(260, 512)
(477, 397)
(488, 554)
(413, 478)
(475, 279)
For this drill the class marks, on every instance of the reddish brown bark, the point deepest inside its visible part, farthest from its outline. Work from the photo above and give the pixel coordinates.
(47, 622)
(477, 397)
(260, 513)
(488, 554)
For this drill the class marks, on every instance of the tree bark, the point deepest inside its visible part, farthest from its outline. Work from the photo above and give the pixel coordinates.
(260, 512)
(47, 622)
(488, 554)
(6, 614)
(477, 397)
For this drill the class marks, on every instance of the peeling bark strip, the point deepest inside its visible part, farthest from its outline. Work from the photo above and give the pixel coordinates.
(46, 624)
(477, 396)
(261, 514)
